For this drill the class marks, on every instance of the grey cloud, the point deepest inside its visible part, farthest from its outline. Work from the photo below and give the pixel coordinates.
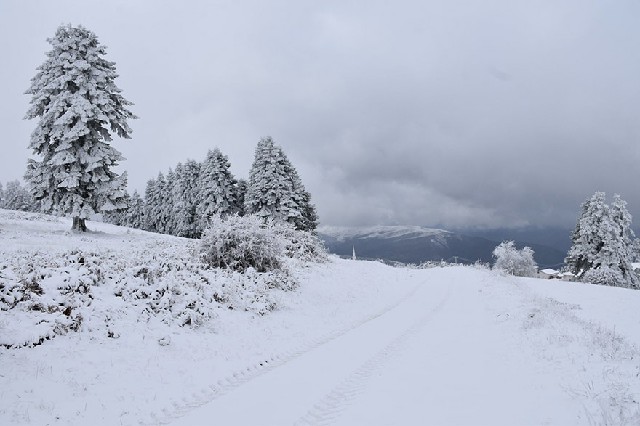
(434, 113)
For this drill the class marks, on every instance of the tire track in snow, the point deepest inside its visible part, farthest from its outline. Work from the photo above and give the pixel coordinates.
(178, 408)
(329, 408)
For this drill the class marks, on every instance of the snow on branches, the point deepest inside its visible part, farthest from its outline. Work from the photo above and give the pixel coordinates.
(604, 244)
(513, 261)
(78, 107)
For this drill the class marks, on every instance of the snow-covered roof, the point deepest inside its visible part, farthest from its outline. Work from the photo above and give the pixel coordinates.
(550, 271)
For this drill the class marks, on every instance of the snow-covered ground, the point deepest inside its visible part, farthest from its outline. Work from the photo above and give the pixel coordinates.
(358, 343)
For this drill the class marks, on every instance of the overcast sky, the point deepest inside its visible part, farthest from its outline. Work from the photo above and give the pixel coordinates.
(439, 113)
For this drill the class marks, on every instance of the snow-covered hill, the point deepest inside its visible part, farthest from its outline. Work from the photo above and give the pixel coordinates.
(358, 343)
(343, 233)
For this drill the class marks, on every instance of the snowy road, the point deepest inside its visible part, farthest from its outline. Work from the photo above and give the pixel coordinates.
(427, 361)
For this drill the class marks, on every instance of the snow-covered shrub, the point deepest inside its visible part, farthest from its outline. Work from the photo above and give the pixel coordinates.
(53, 290)
(513, 261)
(301, 245)
(604, 275)
(242, 242)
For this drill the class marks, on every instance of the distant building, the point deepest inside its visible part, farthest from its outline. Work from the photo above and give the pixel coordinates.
(548, 274)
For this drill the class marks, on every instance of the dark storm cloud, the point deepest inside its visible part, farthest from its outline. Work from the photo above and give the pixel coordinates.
(450, 113)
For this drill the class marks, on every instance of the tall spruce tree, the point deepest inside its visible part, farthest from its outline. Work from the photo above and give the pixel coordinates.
(275, 190)
(79, 106)
(242, 191)
(158, 205)
(623, 242)
(218, 191)
(184, 193)
(149, 223)
(135, 212)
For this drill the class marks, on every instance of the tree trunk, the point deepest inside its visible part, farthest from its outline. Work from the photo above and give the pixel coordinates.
(79, 225)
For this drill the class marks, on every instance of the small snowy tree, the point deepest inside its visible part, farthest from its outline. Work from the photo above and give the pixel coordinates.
(513, 261)
(79, 106)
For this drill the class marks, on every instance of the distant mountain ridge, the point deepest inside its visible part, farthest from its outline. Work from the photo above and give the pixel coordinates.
(416, 244)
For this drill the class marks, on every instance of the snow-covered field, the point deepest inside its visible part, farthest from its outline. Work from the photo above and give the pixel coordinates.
(147, 338)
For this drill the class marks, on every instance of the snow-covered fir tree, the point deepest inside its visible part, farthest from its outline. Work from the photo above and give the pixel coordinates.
(275, 190)
(185, 193)
(308, 219)
(158, 205)
(586, 237)
(135, 212)
(218, 189)
(79, 107)
(167, 202)
(242, 186)
(149, 223)
(603, 244)
(622, 242)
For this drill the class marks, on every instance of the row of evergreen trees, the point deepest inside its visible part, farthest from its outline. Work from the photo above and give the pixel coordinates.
(604, 245)
(183, 201)
(17, 197)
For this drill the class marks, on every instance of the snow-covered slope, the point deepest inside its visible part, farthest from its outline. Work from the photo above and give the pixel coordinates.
(358, 343)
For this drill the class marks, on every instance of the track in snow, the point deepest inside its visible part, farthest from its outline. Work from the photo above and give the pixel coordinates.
(221, 387)
(325, 411)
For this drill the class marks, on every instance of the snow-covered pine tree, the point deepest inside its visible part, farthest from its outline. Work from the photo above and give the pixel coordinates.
(79, 106)
(602, 244)
(149, 223)
(167, 202)
(157, 205)
(586, 238)
(135, 212)
(269, 191)
(308, 219)
(1, 196)
(185, 194)
(275, 190)
(218, 192)
(242, 186)
(623, 241)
